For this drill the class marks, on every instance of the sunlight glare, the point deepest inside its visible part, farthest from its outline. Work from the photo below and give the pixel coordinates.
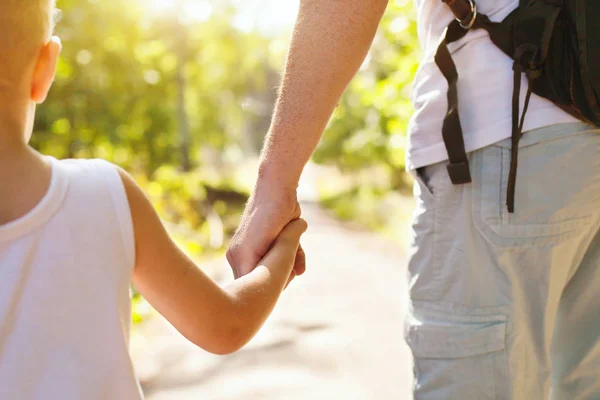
(270, 17)
(189, 10)
(160, 6)
(198, 11)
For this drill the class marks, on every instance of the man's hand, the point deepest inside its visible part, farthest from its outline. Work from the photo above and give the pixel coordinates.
(268, 211)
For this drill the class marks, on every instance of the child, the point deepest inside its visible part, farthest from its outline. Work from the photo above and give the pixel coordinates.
(75, 234)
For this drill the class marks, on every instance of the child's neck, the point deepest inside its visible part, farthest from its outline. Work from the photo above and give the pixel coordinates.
(24, 177)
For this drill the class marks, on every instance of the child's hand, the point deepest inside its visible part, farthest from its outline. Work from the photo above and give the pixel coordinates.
(282, 254)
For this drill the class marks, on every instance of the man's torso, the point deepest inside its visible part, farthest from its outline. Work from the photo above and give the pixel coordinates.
(485, 87)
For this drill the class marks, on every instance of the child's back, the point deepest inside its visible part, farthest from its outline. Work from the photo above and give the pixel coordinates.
(64, 294)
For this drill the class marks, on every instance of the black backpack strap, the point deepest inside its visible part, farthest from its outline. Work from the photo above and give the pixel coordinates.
(467, 18)
(452, 132)
(532, 34)
(524, 35)
(517, 129)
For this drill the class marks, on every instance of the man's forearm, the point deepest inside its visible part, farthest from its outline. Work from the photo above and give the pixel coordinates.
(330, 41)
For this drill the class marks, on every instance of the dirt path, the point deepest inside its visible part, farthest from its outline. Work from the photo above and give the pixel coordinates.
(337, 333)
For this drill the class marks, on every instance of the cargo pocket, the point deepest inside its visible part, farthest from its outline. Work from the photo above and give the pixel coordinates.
(459, 356)
(557, 190)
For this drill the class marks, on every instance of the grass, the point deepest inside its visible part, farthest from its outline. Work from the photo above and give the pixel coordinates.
(365, 198)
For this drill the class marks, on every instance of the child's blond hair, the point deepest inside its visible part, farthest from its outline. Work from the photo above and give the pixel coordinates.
(25, 26)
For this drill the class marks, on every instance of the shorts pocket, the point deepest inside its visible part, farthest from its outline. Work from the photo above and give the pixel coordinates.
(557, 192)
(459, 356)
(422, 190)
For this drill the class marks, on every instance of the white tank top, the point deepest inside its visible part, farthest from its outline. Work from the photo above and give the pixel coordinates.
(65, 273)
(485, 87)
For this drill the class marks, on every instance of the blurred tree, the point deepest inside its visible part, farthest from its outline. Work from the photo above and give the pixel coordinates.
(147, 90)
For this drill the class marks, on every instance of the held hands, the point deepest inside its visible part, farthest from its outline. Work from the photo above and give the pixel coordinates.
(267, 213)
(282, 255)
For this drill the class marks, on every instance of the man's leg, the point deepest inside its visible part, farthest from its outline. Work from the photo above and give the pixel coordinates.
(485, 284)
(576, 345)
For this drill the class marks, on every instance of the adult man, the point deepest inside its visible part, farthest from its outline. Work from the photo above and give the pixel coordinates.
(502, 302)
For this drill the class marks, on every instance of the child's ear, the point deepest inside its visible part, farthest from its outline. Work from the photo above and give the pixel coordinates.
(45, 70)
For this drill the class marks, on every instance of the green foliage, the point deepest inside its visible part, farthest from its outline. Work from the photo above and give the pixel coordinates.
(364, 198)
(132, 86)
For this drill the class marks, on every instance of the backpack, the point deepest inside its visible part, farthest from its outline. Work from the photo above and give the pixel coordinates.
(556, 43)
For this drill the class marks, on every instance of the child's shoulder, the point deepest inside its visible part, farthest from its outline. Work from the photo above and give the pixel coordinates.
(90, 177)
(92, 170)
(83, 165)
(96, 195)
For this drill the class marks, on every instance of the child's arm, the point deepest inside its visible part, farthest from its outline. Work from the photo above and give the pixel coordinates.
(220, 321)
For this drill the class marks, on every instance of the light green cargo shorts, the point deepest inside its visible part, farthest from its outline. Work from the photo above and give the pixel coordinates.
(507, 306)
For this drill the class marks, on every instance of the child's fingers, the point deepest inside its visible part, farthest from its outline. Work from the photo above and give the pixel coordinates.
(284, 250)
(300, 261)
(292, 232)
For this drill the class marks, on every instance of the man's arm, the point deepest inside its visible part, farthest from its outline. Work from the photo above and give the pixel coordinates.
(330, 41)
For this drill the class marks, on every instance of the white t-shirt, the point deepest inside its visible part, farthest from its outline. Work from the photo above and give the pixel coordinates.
(65, 307)
(485, 87)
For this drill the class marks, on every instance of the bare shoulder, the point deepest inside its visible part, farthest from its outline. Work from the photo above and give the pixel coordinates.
(151, 237)
(138, 201)
(130, 184)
